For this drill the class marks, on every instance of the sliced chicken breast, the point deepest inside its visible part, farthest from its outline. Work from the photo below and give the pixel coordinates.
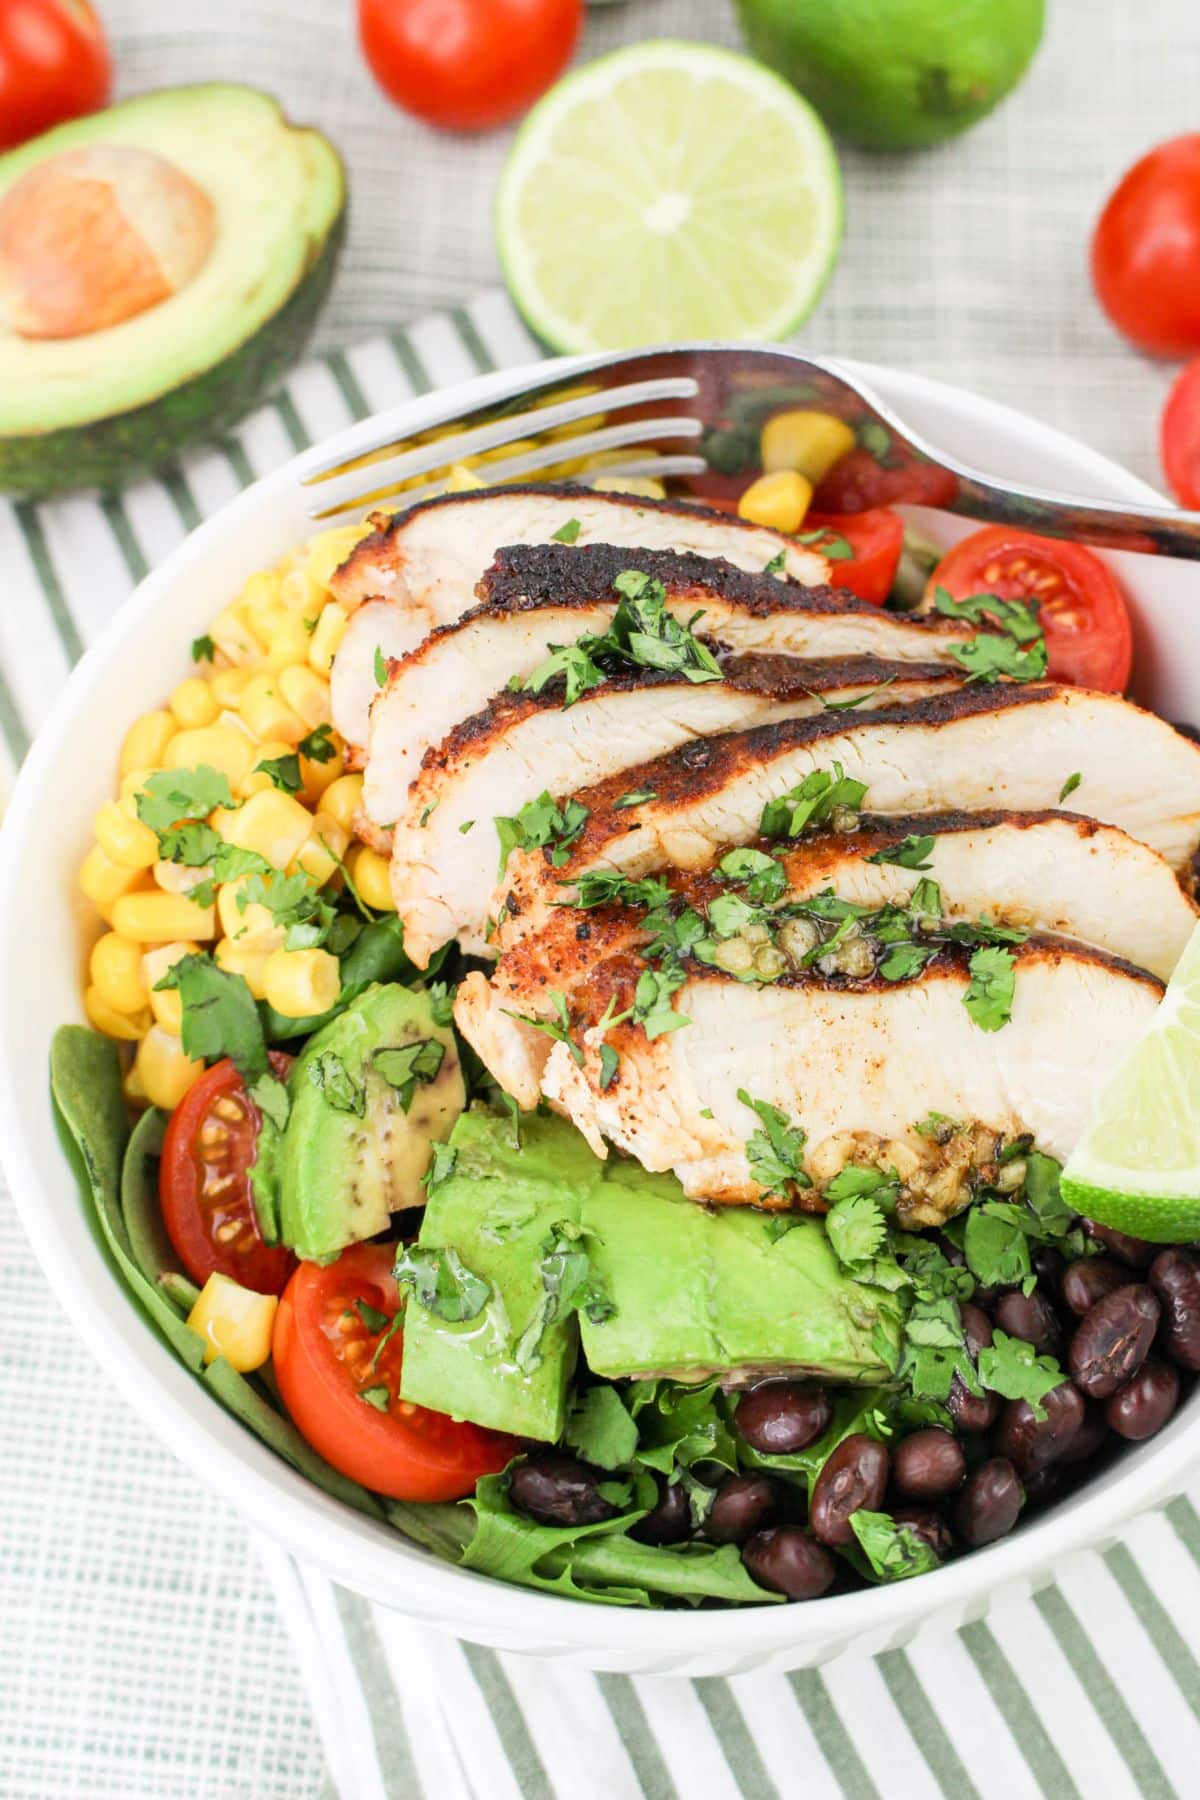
(973, 749)
(539, 596)
(445, 845)
(857, 1065)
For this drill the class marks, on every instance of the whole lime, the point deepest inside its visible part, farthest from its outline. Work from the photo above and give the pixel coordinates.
(896, 74)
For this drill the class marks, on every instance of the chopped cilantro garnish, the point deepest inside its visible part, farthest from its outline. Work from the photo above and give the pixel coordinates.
(567, 533)
(811, 802)
(777, 564)
(203, 649)
(894, 1550)
(1069, 786)
(609, 1063)
(170, 796)
(831, 544)
(775, 1153)
(381, 668)
(406, 1064)
(441, 1166)
(336, 1085)
(318, 746)
(1019, 653)
(765, 876)
(605, 887)
(643, 633)
(372, 1318)
(989, 996)
(855, 1223)
(910, 853)
(377, 1396)
(219, 1015)
(283, 771)
(1012, 1367)
(652, 1007)
(569, 1284)
(441, 1282)
(540, 823)
(636, 797)
(559, 1028)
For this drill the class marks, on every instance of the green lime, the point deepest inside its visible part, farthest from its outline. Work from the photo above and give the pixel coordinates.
(668, 191)
(895, 74)
(1137, 1166)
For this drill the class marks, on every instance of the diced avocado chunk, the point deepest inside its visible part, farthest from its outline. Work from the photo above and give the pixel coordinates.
(498, 1207)
(370, 1094)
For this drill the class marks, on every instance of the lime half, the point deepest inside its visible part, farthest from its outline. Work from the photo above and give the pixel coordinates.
(668, 191)
(1138, 1164)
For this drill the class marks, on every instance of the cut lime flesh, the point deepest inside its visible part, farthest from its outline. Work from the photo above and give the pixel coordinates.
(669, 191)
(1137, 1166)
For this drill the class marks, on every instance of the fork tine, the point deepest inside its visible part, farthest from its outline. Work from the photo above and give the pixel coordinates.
(661, 467)
(390, 467)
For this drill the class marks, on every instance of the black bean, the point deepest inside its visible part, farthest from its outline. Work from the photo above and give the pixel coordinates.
(1031, 1443)
(780, 1417)
(1113, 1340)
(928, 1525)
(1144, 1405)
(787, 1560)
(669, 1520)
(1089, 1280)
(977, 1327)
(928, 1464)
(989, 1504)
(973, 1412)
(1044, 1486)
(1134, 1251)
(743, 1505)
(1091, 1435)
(1175, 1278)
(1048, 1266)
(559, 1490)
(854, 1475)
(1028, 1316)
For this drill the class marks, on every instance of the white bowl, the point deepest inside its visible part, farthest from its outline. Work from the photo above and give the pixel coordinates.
(70, 771)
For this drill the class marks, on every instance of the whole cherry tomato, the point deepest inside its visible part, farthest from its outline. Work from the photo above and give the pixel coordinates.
(53, 66)
(1146, 250)
(1180, 437)
(468, 64)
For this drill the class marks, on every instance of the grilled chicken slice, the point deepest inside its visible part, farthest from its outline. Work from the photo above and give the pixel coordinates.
(857, 1064)
(445, 845)
(539, 596)
(969, 750)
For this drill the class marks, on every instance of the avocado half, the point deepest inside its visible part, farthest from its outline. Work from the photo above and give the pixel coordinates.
(96, 409)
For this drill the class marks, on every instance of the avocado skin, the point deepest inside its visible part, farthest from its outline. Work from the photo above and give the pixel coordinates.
(107, 453)
(695, 1291)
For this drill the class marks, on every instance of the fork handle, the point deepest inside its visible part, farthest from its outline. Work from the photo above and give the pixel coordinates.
(1149, 530)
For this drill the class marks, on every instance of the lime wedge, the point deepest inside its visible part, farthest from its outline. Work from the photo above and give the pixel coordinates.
(1137, 1166)
(668, 191)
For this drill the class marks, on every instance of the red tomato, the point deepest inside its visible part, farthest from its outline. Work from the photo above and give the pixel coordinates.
(204, 1183)
(1180, 437)
(1146, 250)
(327, 1357)
(53, 66)
(1080, 607)
(468, 64)
(858, 481)
(876, 539)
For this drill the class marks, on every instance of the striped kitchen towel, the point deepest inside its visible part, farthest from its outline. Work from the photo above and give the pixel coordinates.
(1091, 1688)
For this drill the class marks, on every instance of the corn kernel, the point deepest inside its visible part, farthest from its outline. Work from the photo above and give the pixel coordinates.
(167, 1004)
(642, 486)
(370, 874)
(216, 747)
(234, 1322)
(146, 740)
(301, 595)
(319, 858)
(132, 1087)
(343, 800)
(265, 711)
(326, 552)
(114, 1024)
(103, 880)
(231, 633)
(258, 780)
(262, 605)
(194, 703)
(300, 982)
(164, 1073)
(123, 837)
(461, 480)
(317, 776)
(228, 685)
(245, 958)
(157, 918)
(253, 923)
(809, 442)
(289, 643)
(324, 643)
(178, 878)
(115, 966)
(272, 823)
(133, 781)
(778, 501)
(306, 693)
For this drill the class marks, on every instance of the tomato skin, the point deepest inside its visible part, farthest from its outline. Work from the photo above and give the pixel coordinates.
(876, 538)
(1179, 438)
(1146, 250)
(323, 1354)
(467, 65)
(54, 65)
(1082, 610)
(858, 482)
(204, 1187)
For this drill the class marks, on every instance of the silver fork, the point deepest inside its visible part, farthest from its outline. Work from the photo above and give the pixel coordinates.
(690, 413)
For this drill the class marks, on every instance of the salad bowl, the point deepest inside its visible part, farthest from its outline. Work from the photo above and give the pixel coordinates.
(143, 652)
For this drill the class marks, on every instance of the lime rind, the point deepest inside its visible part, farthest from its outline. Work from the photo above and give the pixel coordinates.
(627, 215)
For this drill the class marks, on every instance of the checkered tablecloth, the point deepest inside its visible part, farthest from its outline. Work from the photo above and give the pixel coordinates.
(147, 1647)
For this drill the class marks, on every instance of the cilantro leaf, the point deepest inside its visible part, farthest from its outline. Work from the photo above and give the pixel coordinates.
(569, 1285)
(635, 797)
(441, 1166)
(271, 1098)
(203, 649)
(609, 1063)
(376, 1396)
(811, 802)
(441, 1282)
(765, 876)
(989, 995)
(831, 544)
(1011, 1367)
(605, 887)
(575, 663)
(318, 746)
(775, 1154)
(404, 1065)
(336, 1085)
(220, 1017)
(777, 564)
(855, 1224)
(567, 533)
(987, 658)
(1017, 618)
(601, 1429)
(283, 772)
(1069, 786)
(541, 823)
(558, 1029)
(652, 1001)
(903, 961)
(381, 667)
(372, 1318)
(910, 853)
(643, 633)
(894, 1551)
(996, 1248)
(169, 796)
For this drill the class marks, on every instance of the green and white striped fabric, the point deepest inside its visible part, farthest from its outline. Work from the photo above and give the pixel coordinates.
(1091, 1688)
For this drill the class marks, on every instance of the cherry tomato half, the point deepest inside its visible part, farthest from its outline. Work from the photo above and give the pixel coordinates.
(859, 481)
(204, 1183)
(875, 540)
(1179, 438)
(1146, 250)
(468, 64)
(53, 66)
(341, 1388)
(1081, 609)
